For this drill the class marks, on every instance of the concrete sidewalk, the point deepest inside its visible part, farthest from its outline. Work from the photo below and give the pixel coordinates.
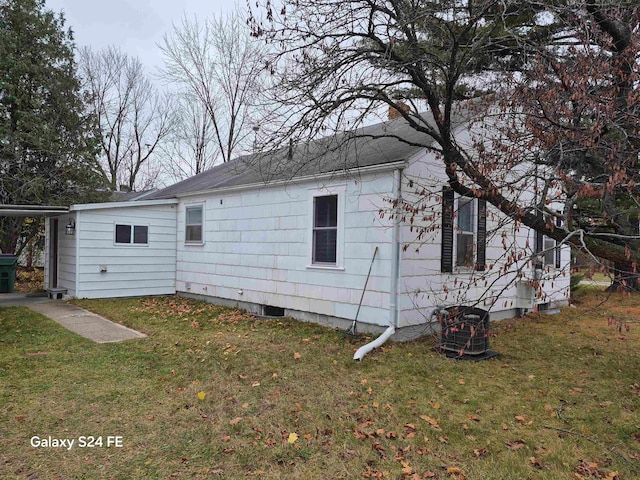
(84, 323)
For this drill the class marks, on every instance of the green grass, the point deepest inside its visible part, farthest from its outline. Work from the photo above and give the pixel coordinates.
(562, 399)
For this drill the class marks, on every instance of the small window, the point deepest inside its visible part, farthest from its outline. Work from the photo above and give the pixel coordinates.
(136, 234)
(325, 229)
(464, 233)
(141, 234)
(123, 233)
(193, 228)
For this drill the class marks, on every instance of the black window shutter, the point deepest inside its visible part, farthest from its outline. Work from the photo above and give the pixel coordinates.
(446, 257)
(557, 252)
(539, 247)
(539, 242)
(481, 235)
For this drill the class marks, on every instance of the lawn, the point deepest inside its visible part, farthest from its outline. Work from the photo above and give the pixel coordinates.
(213, 393)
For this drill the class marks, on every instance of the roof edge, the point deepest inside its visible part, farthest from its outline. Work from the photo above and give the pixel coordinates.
(302, 179)
(132, 203)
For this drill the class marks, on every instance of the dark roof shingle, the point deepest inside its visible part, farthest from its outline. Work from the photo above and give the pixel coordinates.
(378, 144)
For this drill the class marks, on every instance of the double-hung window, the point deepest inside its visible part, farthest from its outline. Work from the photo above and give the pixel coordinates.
(548, 249)
(465, 232)
(325, 230)
(131, 234)
(194, 224)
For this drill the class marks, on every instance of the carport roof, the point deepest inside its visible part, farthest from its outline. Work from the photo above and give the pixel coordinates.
(32, 210)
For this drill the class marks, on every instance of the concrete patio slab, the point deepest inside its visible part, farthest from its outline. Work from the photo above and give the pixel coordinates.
(22, 299)
(85, 323)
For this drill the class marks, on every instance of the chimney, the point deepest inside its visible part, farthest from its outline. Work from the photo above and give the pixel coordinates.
(395, 112)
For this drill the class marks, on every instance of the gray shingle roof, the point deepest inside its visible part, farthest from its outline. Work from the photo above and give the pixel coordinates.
(378, 144)
(120, 196)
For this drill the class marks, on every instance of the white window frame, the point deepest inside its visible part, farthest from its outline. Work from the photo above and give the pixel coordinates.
(130, 243)
(473, 232)
(201, 206)
(340, 192)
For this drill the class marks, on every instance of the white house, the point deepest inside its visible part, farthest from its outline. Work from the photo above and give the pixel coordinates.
(295, 232)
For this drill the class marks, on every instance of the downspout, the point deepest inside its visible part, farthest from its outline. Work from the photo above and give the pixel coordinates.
(394, 306)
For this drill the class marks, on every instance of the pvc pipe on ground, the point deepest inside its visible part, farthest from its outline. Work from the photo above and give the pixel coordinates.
(362, 351)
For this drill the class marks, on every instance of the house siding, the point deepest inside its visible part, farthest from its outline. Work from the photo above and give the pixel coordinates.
(257, 249)
(67, 255)
(423, 285)
(130, 269)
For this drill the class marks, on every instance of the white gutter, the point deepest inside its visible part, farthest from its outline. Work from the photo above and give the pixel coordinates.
(394, 306)
(134, 203)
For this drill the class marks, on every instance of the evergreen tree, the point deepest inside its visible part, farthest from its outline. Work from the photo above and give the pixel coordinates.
(47, 144)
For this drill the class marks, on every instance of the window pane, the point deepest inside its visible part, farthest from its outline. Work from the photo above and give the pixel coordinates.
(123, 233)
(325, 211)
(324, 245)
(194, 233)
(140, 234)
(464, 250)
(194, 215)
(465, 215)
(549, 253)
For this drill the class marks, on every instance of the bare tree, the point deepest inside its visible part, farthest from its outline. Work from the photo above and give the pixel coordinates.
(132, 117)
(552, 86)
(191, 148)
(218, 65)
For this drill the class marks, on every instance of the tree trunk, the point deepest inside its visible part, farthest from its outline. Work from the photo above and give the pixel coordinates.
(10, 228)
(626, 278)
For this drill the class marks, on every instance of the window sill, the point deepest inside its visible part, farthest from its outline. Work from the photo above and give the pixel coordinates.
(193, 244)
(325, 267)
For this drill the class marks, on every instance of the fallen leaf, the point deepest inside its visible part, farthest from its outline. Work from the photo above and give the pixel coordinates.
(535, 462)
(292, 437)
(201, 395)
(297, 355)
(515, 445)
(235, 421)
(480, 452)
(431, 421)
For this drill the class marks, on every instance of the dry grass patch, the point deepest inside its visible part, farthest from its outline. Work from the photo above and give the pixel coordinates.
(214, 393)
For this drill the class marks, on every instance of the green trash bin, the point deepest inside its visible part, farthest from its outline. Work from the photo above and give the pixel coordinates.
(8, 264)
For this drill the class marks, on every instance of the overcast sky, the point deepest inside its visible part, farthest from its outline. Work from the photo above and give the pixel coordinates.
(136, 26)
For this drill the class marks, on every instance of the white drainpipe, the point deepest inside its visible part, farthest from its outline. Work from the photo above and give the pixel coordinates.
(394, 307)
